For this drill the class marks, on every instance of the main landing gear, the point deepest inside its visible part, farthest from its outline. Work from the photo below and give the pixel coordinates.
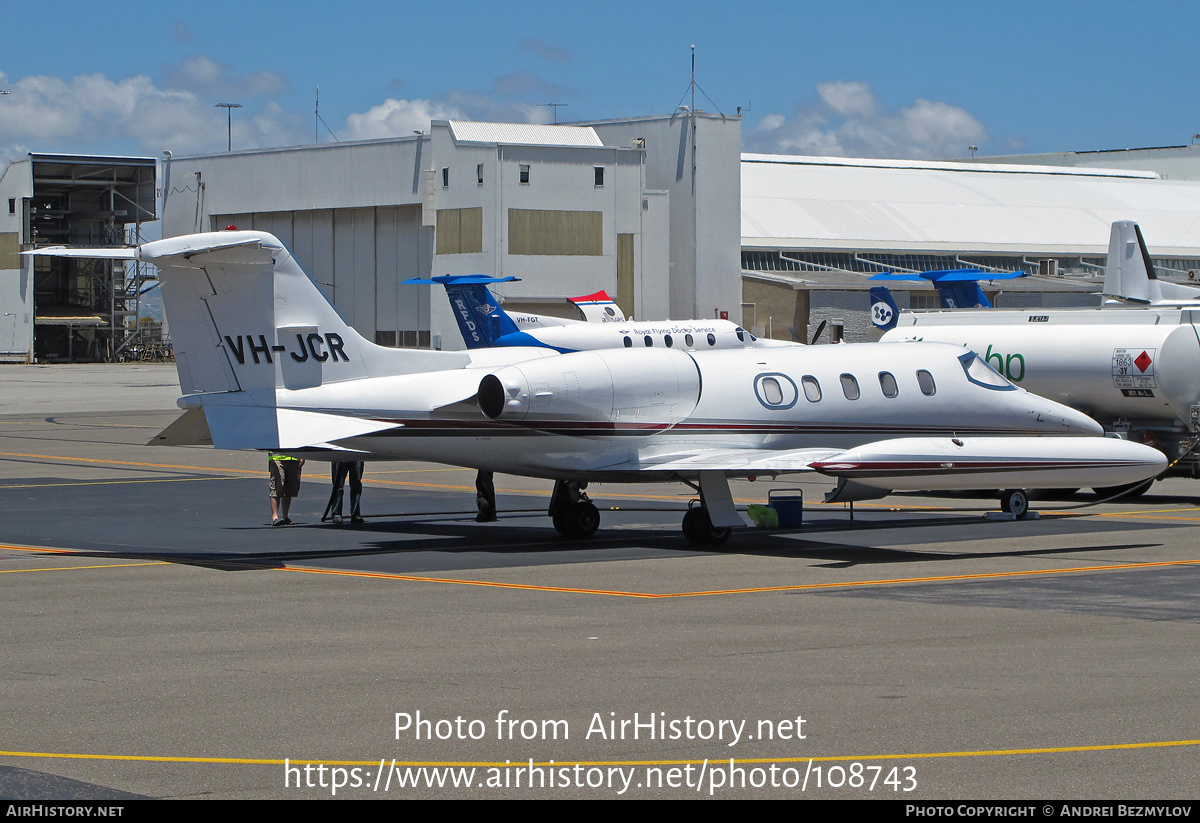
(710, 519)
(698, 526)
(574, 515)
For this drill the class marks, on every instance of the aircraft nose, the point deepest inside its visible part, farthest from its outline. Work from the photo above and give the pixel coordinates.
(1066, 419)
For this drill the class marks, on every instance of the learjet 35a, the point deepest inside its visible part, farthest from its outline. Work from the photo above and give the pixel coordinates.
(271, 365)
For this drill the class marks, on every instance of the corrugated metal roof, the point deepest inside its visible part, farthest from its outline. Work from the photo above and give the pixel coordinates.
(527, 134)
(943, 165)
(827, 203)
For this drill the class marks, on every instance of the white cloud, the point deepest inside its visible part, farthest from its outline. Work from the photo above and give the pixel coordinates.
(846, 121)
(94, 114)
(849, 99)
(136, 115)
(396, 118)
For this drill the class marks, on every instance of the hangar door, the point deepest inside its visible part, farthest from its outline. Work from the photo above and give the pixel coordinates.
(358, 257)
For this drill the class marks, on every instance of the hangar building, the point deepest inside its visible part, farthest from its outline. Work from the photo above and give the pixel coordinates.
(56, 309)
(617, 205)
(815, 228)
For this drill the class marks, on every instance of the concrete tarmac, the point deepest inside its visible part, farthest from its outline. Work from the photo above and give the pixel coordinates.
(161, 639)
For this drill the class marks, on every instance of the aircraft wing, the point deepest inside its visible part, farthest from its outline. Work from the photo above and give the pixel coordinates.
(733, 462)
(129, 253)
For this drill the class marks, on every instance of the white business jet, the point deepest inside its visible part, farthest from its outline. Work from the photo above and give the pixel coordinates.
(485, 324)
(270, 364)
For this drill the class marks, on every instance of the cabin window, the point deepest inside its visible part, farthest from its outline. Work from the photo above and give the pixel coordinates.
(812, 389)
(925, 381)
(649, 341)
(667, 341)
(887, 382)
(690, 341)
(776, 391)
(741, 333)
(712, 339)
(850, 387)
(628, 342)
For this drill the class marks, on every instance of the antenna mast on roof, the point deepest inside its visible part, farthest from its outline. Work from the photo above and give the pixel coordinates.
(554, 107)
(692, 88)
(317, 119)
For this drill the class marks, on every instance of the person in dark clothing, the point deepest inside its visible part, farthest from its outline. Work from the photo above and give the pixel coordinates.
(485, 497)
(342, 470)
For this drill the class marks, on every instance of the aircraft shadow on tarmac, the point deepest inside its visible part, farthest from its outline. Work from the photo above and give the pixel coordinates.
(462, 544)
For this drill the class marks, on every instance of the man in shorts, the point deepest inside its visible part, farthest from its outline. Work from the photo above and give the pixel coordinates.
(284, 485)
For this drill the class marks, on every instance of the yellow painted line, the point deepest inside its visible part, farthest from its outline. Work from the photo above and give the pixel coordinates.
(77, 568)
(485, 583)
(754, 590)
(256, 761)
(127, 463)
(41, 549)
(111, 482)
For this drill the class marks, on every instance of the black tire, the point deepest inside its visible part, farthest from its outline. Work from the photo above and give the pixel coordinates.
(1015, 502)
(691, 526)
(698, 528)
(580, 520)
(585, 518)
(1130, 491)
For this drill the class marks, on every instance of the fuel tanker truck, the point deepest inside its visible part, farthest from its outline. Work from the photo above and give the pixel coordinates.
(1134, 370)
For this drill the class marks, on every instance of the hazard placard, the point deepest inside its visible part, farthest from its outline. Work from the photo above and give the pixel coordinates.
(1134, 368)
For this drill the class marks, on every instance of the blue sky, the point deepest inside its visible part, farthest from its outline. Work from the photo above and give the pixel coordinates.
(916, 79)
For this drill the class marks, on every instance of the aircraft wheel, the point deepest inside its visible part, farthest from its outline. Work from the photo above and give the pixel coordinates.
(1015, 501)
(580, 520)
(698, 528)
(1129, 491)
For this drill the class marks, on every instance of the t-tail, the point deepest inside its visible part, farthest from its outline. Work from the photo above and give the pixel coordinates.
(257, 345)
(1129, 274)
(476, 310)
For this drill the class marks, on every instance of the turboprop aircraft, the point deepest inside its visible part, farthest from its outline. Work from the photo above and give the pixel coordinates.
(1133, 369)
(956, 288)
(485, 324)
(1129, 274)
(270, 364)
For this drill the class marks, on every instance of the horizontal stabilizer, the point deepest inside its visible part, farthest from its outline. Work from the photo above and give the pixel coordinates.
(260, 427)
(130, 253)
(189, 429)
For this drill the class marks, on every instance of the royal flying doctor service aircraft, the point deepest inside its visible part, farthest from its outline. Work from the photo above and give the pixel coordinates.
(1131, 368)
(270, 364)
(484, 324)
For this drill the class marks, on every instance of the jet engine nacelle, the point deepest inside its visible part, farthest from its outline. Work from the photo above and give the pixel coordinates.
(635, 389)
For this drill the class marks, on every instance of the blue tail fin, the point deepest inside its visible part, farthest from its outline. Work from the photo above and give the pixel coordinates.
(962, 295)
(883, 308)
(476, 310)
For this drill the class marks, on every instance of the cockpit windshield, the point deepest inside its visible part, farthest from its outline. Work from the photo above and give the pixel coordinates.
(980, 373)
